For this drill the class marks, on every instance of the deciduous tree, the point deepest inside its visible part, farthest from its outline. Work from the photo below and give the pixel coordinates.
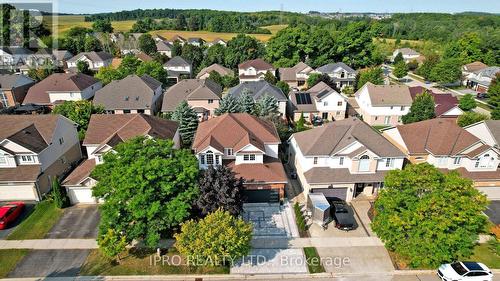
(102, 25)
(374, 75)
(467, 103)
(78, 112)
(469, 118)
(421, 109)
(147, 44)
(400, 70)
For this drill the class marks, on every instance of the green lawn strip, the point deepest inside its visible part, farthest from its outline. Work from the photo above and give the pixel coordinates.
(484, 253)
(313, 260)
(141, 262)
(38, 223)
(9, 260)
(381, 127)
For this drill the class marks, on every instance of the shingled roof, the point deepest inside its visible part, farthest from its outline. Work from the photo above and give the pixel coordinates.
(257, 90)
(223, 71)
(93, 56)
(10, 81)
(190, 89)
(258, 64)
(387, 95)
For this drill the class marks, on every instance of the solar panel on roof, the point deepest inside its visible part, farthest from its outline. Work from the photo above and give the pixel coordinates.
(303, 98)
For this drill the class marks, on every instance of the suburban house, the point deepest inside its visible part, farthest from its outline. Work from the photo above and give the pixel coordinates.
(202, 95)
(14, 57)
(223, 71)
(164, 48)
(60, 87)
(343, 159)
(13, 89)
(472, 67)
(447, 146)
(143, 57)
(217, 41)
(177, 67)
(196, 41)
(383, 104)
(250, 150)
(254, 70)
(340, 73)
(408, 54)
(34, 151)
(127, 43)
(95, 60)
(105, 131)
(258, 90)
(132, 94)
(480, 80)
(446, 104)
(320, 101)
(158, 37)
(295, 76)
(179, 39)
(44, 56)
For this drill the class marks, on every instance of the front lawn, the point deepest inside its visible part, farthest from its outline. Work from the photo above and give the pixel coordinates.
(313, 260)
(485, 253)
(9, 260)
(142, 262)
(38, 223)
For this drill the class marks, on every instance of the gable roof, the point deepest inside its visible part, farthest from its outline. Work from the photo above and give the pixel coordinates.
(437, 136)
(132, 92)
(257, 90)
(474, 66)
(11, 81)
(443, 102)
(178, 38)
(223, 71)
(114, 128)
(489, 72)
(494, 127)
(387, 95)
(258, 64)
(245, 129)
(177, 61)
(58, 82)
(190, 89)
(333, 137)
(34, 132)
(333, 67)
(317, 92)
(163, 46)
(290, 73)
(143, 57)
(93, 56)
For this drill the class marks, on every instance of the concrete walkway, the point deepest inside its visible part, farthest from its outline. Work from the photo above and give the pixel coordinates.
(49, 244)
(361, 208)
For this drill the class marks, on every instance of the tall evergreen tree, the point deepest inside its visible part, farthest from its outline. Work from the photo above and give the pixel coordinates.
(188, 122)
(147, 44)
(247, 103)
(267, 106)
(400, 69)
(228, 104)
(399, 58)
(421, 109)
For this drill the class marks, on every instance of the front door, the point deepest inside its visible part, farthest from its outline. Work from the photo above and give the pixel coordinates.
(325, 115)
(358, 189)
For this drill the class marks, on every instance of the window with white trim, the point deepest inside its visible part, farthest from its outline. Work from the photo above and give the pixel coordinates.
(202, 159)
(341, 161)
(27, 159)
(389, 162)
(339, 103)
(3, 99)
(61, 140)
(249, 157)
(228, 151)
(210, 157)
(3, 160)
(457, 160)
(315, 159)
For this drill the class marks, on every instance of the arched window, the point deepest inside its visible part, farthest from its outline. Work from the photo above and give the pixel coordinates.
(210, 157)
(364, 163)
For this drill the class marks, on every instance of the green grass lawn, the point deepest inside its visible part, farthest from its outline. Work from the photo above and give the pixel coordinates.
(484, 253)
(313, 260)
(380, 127)
(9, 260)
(38, 223)
(141, 262)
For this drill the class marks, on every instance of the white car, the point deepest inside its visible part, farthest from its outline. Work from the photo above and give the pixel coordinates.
(465, 271)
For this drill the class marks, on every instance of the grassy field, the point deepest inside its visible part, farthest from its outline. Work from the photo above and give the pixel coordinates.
(64, 23)
(9, 260)
(36, 225)
(141, 262)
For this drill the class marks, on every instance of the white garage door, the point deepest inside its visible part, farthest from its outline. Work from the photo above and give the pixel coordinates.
(81, 195)
(17, 192)
(493, 192)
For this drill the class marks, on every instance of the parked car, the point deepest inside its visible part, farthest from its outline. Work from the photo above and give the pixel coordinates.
(9, 213)
(317, 121)
(464, 271)
(343, 218)
(482, 95)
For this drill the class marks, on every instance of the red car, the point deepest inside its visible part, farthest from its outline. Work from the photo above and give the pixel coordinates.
(10, 212)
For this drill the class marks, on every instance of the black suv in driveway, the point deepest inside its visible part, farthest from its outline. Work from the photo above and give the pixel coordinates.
(342, 214)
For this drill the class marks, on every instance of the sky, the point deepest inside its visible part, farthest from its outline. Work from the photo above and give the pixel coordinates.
(452, 6)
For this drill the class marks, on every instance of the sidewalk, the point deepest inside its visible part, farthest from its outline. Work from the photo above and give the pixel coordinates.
(49, 244)
(361, 208)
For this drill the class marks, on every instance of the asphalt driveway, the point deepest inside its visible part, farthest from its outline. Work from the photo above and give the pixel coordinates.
(493, 211)
(53, 263)
(76, 222)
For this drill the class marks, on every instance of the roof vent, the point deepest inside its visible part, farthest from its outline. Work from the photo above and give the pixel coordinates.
(126, 98)
(137, 98)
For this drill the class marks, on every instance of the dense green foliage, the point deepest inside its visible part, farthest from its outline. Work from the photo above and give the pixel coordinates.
(200, 243)
(400, 69)
(102, 25)
(242, 48)
(219, 188)
(59, 195)
(112, 244)
(78, 112)
(469, 118)
(467, 102)
(374, 75)
(429, 217)
(147, 44)
(421, 109)
(148, 189)
(188, 122)
(131, 65)
(228, 104)
(446, 71)
(494, 91)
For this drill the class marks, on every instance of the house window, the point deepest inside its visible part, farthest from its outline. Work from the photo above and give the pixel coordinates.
(228, 151)
(392, 107)
(376, 118)
(3, 99)
(210, 157)
(339, 103)
(484, 162)
(140, 110)
(61, 141)
(341, 161)
(99, 158)
(389, 162)
(387, 120)
(3, 160)
(325, 103)
(126, 111)
(249, 157)
(202, 159)
(364, 163)
(442, 161)
(72, 95)
(457, 160)
(402, 108)
(210, 101)
(217, 159)
(27, 159)
(315, 160)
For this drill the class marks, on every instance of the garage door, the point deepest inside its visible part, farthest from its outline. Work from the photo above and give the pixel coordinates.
(17, 192)
(340, 192)
(493, 192)
(261, 196)
(81, 195)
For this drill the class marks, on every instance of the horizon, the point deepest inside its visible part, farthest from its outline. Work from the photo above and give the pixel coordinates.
(358, 6)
